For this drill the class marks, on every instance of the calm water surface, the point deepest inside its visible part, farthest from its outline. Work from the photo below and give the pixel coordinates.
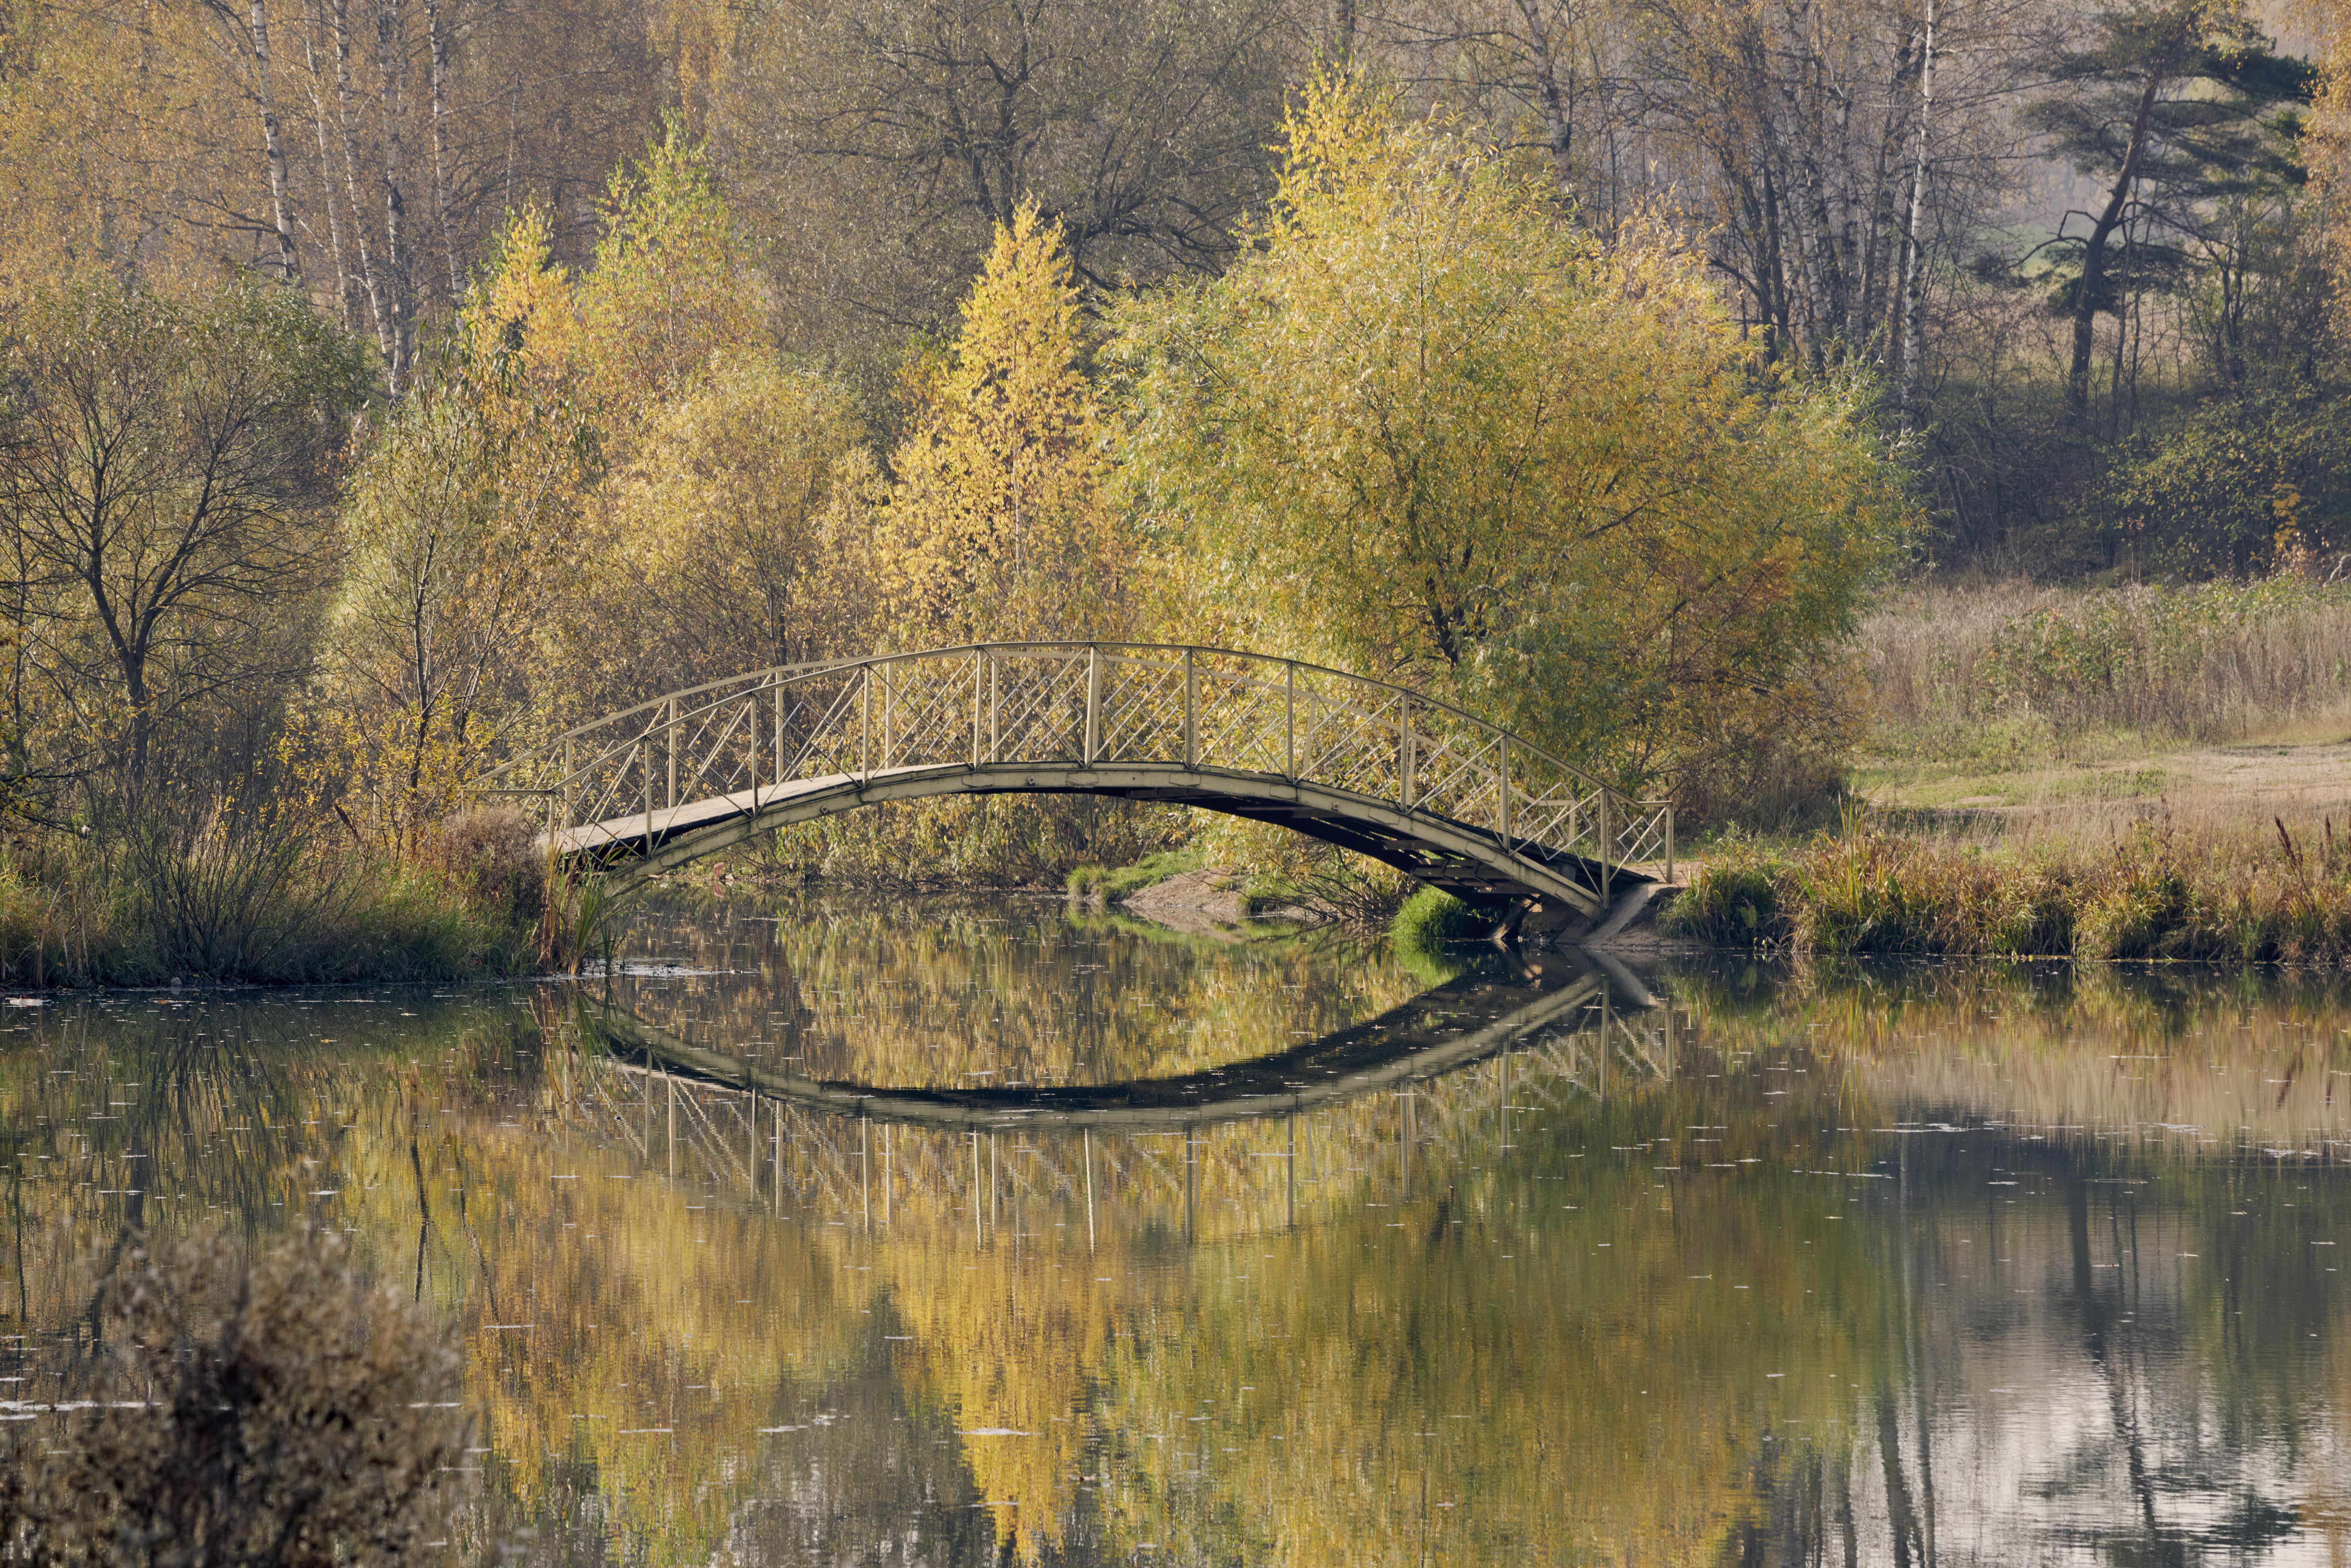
(1303, 1262)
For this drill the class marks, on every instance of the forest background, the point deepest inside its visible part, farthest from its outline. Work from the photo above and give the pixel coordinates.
(387, 388)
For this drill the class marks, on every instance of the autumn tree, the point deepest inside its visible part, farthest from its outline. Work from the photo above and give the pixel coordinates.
(166, 473)
(461, 551)
(666, 287)
(882, 143)
(746, 519)
(1425, 430)
(998, 524)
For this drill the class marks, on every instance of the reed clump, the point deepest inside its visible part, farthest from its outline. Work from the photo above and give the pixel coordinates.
(2154, 893)
(287, 905)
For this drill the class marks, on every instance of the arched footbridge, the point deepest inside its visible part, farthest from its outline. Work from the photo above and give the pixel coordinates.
(1436, 792)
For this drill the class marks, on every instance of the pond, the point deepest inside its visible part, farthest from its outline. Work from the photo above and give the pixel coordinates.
(949, 1231)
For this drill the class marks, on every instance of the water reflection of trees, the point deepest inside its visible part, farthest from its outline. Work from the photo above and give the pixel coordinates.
(1260, 1348)
(949, 994)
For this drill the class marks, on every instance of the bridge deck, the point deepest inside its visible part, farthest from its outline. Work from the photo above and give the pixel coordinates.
(1373, 768)
(1460, 857)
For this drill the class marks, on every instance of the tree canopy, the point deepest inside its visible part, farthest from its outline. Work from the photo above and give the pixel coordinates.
(1426, 428)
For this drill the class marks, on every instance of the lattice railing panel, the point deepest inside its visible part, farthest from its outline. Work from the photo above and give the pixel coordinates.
(925, 712)
(1071, 703)
(823, 719)
(1143, 703)
(1243, 718)
(1459, 776)
(1348, 744)
(716, 746)
(1039, 701)
(1646, 837)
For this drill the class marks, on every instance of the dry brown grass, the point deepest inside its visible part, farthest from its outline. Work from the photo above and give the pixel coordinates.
(2019, 672)
(2157, 892)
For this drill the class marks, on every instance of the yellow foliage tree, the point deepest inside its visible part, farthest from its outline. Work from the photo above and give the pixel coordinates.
(461, 550)
(745, 518)
(1426, 429)
(667, 289)
(1000, 525)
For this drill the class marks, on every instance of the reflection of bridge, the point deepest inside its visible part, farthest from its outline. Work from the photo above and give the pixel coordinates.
(1416, 783)
(1465, 1021)
(1405, 1101)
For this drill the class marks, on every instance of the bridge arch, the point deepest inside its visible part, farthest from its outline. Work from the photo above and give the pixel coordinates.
(1420, 784)
(1466, 1020)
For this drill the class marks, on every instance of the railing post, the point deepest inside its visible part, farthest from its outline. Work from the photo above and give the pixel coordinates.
(1502, 790)
(995, 711)
(1607, 854)
(780, 764)
(1290, 722)
(866, 724)
(1669, 844)
(889, 717)
(1191, 711)
(1094, 702)
(978, 681)
(1403, 750)
(669, 749)
(645, 766)
(569, 788)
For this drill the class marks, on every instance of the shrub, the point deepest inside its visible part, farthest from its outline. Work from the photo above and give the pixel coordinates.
(491, 855)
(1732, 902)
(277, 1412)
(1433, 918)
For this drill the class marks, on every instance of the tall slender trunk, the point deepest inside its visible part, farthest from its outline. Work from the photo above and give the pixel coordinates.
(2094, 250)
(392, 58)
(436, 38)
(1913, 246)
(281, 201)
(343, 313)
(370, 275)
(1558, 114)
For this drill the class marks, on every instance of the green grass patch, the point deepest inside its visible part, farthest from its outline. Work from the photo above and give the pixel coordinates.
(1111, 884)
(1431, 930)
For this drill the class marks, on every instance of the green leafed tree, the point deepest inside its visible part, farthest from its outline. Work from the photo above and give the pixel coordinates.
(1426, 429)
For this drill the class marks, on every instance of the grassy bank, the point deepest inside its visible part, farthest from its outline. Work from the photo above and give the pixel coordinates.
(2156, 892)
(282, 908)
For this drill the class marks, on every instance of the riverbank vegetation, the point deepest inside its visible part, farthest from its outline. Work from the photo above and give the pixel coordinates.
(374, 414)
(2156, 892)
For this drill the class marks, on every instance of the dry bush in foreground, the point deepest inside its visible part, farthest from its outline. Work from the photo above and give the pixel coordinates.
(277, 1412)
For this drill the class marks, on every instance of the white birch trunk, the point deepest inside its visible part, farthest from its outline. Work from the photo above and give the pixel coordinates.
(437, 39)
(281, 203)
(391, 51)
(343, 313)
(371, 276)
(1913, 246)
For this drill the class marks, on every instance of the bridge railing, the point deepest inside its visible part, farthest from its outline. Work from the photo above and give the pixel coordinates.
(1086, 704)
